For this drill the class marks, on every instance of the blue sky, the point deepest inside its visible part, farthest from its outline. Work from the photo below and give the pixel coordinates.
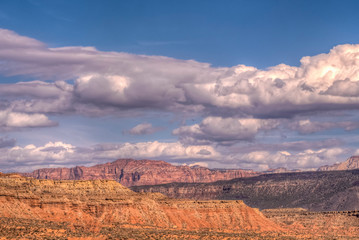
(217, 83)
(226, 33)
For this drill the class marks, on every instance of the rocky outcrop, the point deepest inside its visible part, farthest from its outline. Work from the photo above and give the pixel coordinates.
(317, 191)
(350, 164)
(102, 205)
(131, 172)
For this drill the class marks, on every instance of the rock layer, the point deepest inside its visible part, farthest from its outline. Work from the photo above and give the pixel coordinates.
(104, 209)
(131, 172)
(105, 203)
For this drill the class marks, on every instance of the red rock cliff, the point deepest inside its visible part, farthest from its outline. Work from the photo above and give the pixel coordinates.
(101, 203)
(131, 172)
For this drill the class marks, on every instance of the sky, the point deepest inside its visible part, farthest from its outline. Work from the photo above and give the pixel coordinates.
(224, 84)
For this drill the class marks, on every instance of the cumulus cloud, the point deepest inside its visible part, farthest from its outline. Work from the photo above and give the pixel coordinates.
(59, 154)
(308, 159)
(154, 150)
(15, 120)
(32, 157)
(127, 81)
(236, 103)
(143, 129)
(223, 130)
(39, 97)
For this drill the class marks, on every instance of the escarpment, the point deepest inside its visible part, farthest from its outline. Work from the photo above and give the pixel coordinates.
(316, 191)
(104, 209)
(131, 172)
(103, 202)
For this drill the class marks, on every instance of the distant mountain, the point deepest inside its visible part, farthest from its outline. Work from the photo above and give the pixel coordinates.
(316, 191)
(131, 172)
(350, 164)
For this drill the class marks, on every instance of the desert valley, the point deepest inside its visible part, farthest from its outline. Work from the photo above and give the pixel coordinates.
(148, 199)
(179, 119)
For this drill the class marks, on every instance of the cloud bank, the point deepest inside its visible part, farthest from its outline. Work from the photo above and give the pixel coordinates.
(235, 104)
(127, 81)
(59, 154)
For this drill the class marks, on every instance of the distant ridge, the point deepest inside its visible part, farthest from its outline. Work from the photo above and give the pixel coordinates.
(315, 191)
(350, 164)
(130, 172)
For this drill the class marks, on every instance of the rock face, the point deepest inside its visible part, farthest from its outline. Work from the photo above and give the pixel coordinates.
(350, 164)
(317, 191)
(104, 209)
(105, 205)
(131, 172)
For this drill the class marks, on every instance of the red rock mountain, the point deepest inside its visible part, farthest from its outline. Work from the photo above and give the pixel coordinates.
(350, 164)
(131, 172)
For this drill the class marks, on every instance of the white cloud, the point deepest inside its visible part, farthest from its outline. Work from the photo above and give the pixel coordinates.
(157, 150)
(59, 154)
(127, 81)
(143, 129)
(223, 130)
(236, 102)
(10, 40)
(31, 157)
(307, 159)
(14, 120)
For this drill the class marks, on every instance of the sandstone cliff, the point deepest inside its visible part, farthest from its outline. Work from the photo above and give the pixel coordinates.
(350, 164)
(104, 209)
(131, 172)
(318, 191)
(104, 205)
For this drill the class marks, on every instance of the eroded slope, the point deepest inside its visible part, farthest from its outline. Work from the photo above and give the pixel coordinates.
(103, 206)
